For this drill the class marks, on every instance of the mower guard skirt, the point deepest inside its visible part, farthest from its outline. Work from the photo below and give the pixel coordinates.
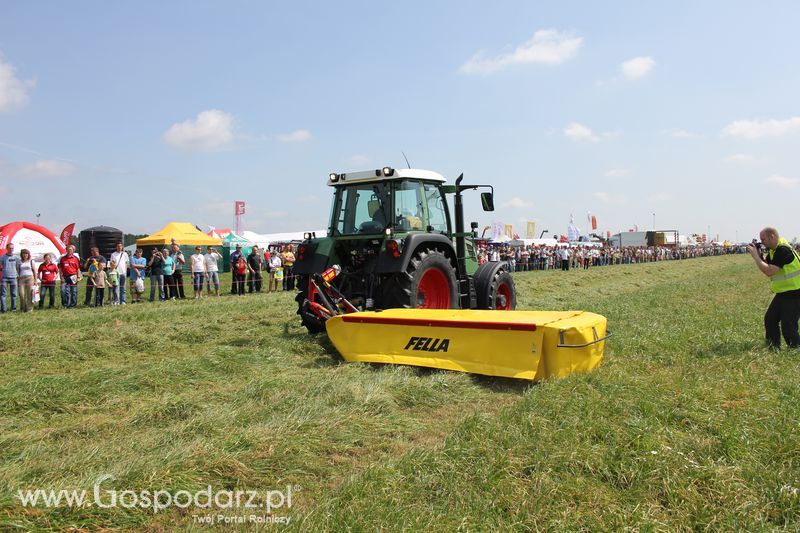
(530, 345)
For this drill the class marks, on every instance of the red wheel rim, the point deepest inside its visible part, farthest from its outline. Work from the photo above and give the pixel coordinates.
(503, 297)
(433, 291)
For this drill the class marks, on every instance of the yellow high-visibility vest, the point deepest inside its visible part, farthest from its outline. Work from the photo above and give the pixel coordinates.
(788, 277)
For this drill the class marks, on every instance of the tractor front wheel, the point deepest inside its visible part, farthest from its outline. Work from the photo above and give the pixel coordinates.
(496, 292)
(313, 324)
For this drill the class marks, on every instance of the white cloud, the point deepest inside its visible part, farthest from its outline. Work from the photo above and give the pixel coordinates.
(13, 91)
(609, 198)
(743, 159)
(783, 181)
(48, 168)
(518, 203)
(617, 172)
(308, 199)
(357, 160)
(579, 132)
(297, 136)
(677, 133)
(211, 129)
(661, 197)
(546, 47)
(756, 129)
(637, 68)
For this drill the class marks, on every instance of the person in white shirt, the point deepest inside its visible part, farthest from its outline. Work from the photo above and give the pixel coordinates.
(275, 263)
(212, 269)
(123, 262)
(198, 271)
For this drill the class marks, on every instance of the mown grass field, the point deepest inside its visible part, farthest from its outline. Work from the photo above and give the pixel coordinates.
(689, 423)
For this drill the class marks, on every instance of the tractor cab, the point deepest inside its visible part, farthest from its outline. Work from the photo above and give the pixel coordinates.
(403, 201)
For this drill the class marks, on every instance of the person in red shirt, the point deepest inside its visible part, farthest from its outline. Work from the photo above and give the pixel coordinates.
(70, 269)
(47, 276)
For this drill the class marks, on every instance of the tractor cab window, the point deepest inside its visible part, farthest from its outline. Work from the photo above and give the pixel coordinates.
(363, 208)
(409, 211)
(437, 216)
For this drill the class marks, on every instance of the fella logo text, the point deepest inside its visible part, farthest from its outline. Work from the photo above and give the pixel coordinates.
(427, 344)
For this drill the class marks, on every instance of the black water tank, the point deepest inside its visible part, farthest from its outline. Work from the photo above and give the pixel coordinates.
(104, 237)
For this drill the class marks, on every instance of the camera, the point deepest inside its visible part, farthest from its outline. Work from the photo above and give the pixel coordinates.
(757, 245)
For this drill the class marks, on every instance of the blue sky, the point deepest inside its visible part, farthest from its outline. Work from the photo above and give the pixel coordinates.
(133, 115)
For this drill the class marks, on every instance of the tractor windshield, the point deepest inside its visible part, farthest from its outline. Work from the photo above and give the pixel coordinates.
(361, 209)
(405, 205)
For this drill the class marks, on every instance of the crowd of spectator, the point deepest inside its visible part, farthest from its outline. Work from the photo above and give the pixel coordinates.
(108, 281)
(564, 257)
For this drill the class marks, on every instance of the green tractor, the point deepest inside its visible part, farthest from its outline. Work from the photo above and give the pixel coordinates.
(391, 244)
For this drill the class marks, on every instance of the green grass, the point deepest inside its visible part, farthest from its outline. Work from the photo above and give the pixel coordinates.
(689, 423)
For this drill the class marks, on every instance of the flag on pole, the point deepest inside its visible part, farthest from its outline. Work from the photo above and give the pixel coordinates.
(66, 234)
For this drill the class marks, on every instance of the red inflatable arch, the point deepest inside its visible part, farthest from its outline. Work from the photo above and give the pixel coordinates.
(38, 239)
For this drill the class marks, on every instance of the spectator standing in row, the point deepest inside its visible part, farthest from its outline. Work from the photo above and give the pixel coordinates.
(9, 263)
(255, 266)
(156, 266)
(239, 271)
(26, 281)
(275, 263)
(138, 267)
(169, 281)
(70, 269)
(90, 265)
(99, 280)
(198, 264)
(563, 254)
(234, 258)
(113, 283)
(212, 259)
(288, 268)
(177, 275)
(47, 276)
(119, 257)
(198, 271)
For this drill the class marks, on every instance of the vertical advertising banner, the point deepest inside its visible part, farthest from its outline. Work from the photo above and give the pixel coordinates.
(497, 230)
(530, 230)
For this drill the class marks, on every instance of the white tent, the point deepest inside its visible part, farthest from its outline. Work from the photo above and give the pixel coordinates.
(264, 240)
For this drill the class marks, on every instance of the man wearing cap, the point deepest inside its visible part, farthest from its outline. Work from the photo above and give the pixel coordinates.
(782, 264)
(235, 255)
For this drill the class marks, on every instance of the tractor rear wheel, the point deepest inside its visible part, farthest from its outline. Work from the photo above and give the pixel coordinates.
(429, 282)
(313, 324)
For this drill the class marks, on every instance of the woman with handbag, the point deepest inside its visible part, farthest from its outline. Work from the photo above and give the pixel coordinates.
(27, 274)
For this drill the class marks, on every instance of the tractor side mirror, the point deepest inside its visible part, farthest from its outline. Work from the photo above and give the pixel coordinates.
(487, 201)
(474, 227)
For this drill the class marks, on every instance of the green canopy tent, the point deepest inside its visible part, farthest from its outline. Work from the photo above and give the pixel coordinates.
(229, 243)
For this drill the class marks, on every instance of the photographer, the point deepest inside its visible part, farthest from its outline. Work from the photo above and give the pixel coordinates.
(782, 264)
(156, 266)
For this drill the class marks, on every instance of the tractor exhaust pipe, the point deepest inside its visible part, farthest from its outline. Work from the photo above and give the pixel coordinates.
(461, 250)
